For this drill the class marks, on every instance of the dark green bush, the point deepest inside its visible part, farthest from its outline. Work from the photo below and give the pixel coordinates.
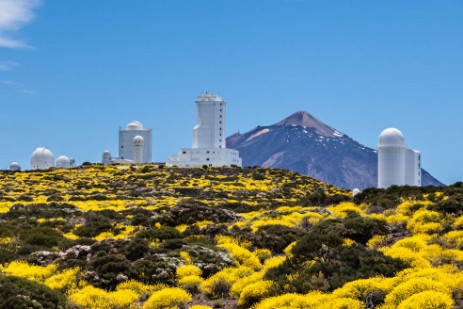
(21, 293)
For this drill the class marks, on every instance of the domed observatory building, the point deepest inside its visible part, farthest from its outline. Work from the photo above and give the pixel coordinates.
(15, 166)
(42, 159)
(397, 164)
(138, 145)
(126, 145)
(63, 162)
(209, 136)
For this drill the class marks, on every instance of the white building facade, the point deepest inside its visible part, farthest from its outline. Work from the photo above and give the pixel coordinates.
(126, 145)
(209, 137)
(397, 164)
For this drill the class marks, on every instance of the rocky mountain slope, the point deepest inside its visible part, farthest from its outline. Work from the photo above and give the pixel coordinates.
(306, 145)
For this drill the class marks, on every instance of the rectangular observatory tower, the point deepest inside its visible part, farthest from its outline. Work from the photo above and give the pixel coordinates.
(209, 147)
(126, 146)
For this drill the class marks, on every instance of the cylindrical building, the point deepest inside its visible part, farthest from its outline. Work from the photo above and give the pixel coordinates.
(210, 129)
(138, 145)
(106, 157)
(391, 158)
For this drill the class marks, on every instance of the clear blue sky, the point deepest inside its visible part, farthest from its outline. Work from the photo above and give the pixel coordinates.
(72, 72)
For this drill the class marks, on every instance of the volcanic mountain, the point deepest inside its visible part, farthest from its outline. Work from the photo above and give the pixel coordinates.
(306, 145)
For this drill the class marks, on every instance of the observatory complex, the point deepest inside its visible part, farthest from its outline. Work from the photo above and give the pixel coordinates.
(397, 165)
(209, 136)
(42, 159)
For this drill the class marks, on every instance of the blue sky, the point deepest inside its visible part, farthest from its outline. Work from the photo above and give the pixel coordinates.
(72, 72)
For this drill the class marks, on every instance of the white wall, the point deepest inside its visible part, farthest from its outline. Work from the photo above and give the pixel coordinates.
(126, 148)
(210, 129)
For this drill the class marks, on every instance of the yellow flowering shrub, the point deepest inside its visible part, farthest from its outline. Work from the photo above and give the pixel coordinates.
(425, 221)
(65, 280)
(226, 277)
(241, 283)
(254, 292)
(274, 262)
(288, 249)
(411, 287)
(263, 254)
(359, 289)
(407, 255)
(184, 255)
(190, 283)
(170, 297)
(140, 288)
(242, 256)
(95, 298)
(455, 238)
(188, 270)
(415, 243)
(28, 271)
(289, 301)
(376, 241)
(427, 300)
(458, 223)
(344, 208)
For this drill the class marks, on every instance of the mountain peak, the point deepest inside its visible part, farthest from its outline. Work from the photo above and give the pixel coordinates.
(306, 120)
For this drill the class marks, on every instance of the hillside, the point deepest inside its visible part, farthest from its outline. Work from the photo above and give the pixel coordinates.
(306, 145)
(154, 237)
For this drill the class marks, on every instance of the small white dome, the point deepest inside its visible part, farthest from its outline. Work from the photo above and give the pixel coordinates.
(106, 152)
(135, 125)
(63, 159)
(355, 192)
(391, 137)
(15, 166)
(138, 140)
(209, 97)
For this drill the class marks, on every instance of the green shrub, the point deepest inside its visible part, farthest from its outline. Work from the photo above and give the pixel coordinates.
(21, 293)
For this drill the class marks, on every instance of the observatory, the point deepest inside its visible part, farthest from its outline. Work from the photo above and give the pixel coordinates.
(42, 159)
(126, 142)
(63, 162)
(106, 157)
(138, 145)
(397, 164)
(209, 135)
(15, 166)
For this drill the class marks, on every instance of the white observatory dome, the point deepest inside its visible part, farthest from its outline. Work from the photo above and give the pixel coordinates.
(15, 166)
(63, 162)
(138, 141)
(391, 137)
(355, 192)
(135, 125)
(42, 158)
(209, 97)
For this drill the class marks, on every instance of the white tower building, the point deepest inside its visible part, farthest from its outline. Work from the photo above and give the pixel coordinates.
(42, 159)
(126, 136)
(106, 157)
(397, 165)
(138, 145)
(63, 162)
(14, 166)
(209, 147)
